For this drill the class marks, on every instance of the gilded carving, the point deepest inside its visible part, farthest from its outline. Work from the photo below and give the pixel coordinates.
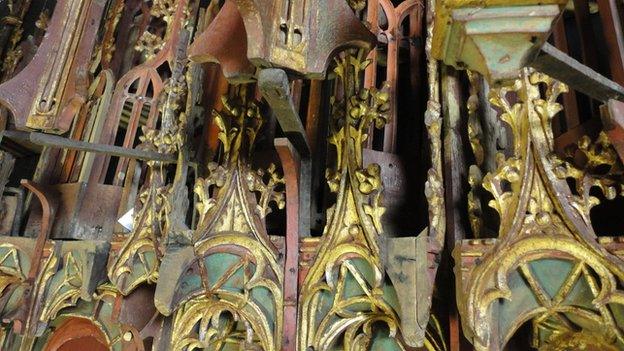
(158, 218)
(68, 275)
(344, 293)
(100, 312)
(434, 189)
(64, 292)
(164, 9)
(14, 54)
(48, 87)
(599, 169)
(44, 19)
(150, 44)
(138, 259)
(10, 267)
(240, 302)
(475, 176)
(201, 270)
(108, 41)
(541, 222)
(474, 125)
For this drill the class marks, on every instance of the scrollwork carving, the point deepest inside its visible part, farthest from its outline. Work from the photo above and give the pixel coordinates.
(599, 168)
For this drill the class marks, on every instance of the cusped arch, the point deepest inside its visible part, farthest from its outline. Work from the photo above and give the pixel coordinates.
(508, 291)
(242, 290)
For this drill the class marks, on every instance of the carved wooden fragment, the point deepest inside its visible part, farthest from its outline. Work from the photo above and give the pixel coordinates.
(391, 35)
(348, 270)
(229, 283)
(546, 266)
(494, 39)
(301, 36)
(142, 86)
(49, 91)
(151, 225)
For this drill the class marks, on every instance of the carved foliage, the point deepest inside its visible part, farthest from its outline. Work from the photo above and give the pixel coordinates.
(138, 259)
(64, 285)
(598, 167)
(344, 294)
(542, 223)
(475, 176)
(241, 303)
(149, 43)
(161, 209)
(14, 266)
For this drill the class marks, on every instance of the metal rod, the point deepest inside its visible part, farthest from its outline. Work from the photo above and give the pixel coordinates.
(61, 142)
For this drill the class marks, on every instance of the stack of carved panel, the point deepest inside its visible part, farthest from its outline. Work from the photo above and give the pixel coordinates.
(308, 175)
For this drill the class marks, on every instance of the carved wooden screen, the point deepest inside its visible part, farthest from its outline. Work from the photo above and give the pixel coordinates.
(311, 175)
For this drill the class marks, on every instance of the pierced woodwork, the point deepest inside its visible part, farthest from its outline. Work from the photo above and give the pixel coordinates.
(142, 190)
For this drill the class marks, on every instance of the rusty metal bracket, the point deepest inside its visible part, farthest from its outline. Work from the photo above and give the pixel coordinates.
(48, 206)
(49, 209)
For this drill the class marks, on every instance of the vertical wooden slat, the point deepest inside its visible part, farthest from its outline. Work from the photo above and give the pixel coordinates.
(583, 23)
(295, 92)
(612, 28)
(570, 106)
(372, 16)
(392, 70)
(455, 174)
(313, 114)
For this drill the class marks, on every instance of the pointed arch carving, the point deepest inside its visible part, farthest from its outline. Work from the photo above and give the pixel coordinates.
(543, 221)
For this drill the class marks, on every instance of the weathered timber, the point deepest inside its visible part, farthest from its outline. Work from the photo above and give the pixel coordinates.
(564, 68)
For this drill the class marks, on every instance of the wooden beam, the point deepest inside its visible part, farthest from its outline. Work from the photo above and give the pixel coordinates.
(570, 107)
(564, 68)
